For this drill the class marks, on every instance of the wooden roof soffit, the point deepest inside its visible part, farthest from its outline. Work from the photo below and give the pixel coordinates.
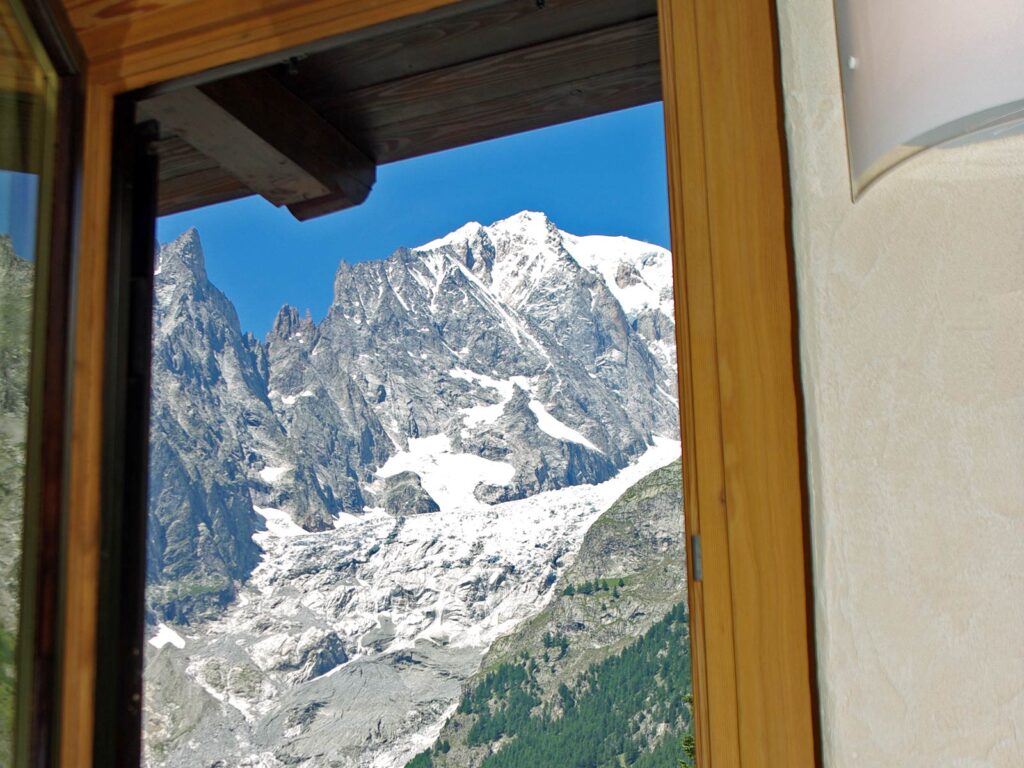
(270, 140)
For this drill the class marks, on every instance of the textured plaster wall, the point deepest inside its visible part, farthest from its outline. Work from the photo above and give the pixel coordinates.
(911, 308)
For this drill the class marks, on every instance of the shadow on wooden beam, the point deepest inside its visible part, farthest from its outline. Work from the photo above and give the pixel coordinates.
(270, 140)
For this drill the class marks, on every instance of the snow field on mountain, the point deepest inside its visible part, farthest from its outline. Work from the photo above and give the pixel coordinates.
(477, 415)
(273, 474)
(454, 580)
(164, 636)
(279, 524)
(449, 478)
(653, 265)
(552, 426)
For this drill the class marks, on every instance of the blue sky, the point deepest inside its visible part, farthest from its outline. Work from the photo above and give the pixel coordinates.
(18, 210)
(605, 175)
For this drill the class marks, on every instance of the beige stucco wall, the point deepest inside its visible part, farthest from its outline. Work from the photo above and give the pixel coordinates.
(911, 307)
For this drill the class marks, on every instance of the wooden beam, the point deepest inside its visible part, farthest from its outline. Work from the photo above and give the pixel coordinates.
(267, 138)
(739, 382)
(206, 186)
(321, 206)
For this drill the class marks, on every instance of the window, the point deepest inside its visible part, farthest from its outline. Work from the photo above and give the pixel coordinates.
(722, 123)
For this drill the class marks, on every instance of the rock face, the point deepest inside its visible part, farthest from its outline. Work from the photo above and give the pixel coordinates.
(345, 516)
(212, 423)
(403, 494)
(16, 281)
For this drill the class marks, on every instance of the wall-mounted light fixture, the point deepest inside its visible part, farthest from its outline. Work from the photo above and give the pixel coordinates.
(918, 73)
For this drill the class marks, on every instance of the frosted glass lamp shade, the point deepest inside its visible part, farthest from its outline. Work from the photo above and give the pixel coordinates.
(917, 73)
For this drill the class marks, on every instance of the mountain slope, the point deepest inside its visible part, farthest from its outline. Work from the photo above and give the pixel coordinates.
(628, 577)
(349, 647)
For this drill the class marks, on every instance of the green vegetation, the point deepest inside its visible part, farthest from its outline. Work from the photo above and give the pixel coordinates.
(7, 650)
(631, 710)
(595, 586)
(689, 747)
(502, 701)
(422, 760)
(613, 714)
(559, 641)
(182, 589)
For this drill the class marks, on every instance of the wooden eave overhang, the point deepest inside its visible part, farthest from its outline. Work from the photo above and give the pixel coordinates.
(308, 131)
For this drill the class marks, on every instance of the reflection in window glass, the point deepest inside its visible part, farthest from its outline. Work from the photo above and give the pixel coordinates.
(25, 86)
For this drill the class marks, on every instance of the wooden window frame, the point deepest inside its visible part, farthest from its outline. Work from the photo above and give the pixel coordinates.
(744, 486)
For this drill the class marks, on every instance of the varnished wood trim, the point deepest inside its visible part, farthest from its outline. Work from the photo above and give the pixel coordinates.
(53, 412)
(84, 515)
(745, 493)
(715, 707)
(185, 38)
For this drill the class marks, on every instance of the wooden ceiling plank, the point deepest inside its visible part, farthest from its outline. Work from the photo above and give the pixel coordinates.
(537, 108)
(506, 75)
(447, 41)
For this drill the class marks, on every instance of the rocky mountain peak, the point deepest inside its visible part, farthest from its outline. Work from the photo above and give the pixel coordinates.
(289, 322)
(531, 227)
(183, 257)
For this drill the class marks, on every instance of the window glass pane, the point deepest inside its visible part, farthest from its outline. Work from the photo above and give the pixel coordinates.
(436, 520)
(25, 108)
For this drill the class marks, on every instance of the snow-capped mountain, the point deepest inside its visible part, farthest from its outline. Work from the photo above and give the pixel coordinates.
(345, 516)
(536, 358)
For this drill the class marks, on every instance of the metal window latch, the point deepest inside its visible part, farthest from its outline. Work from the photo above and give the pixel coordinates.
(698, 564)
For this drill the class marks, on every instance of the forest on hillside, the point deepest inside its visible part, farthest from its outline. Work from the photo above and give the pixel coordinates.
(632, 709)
